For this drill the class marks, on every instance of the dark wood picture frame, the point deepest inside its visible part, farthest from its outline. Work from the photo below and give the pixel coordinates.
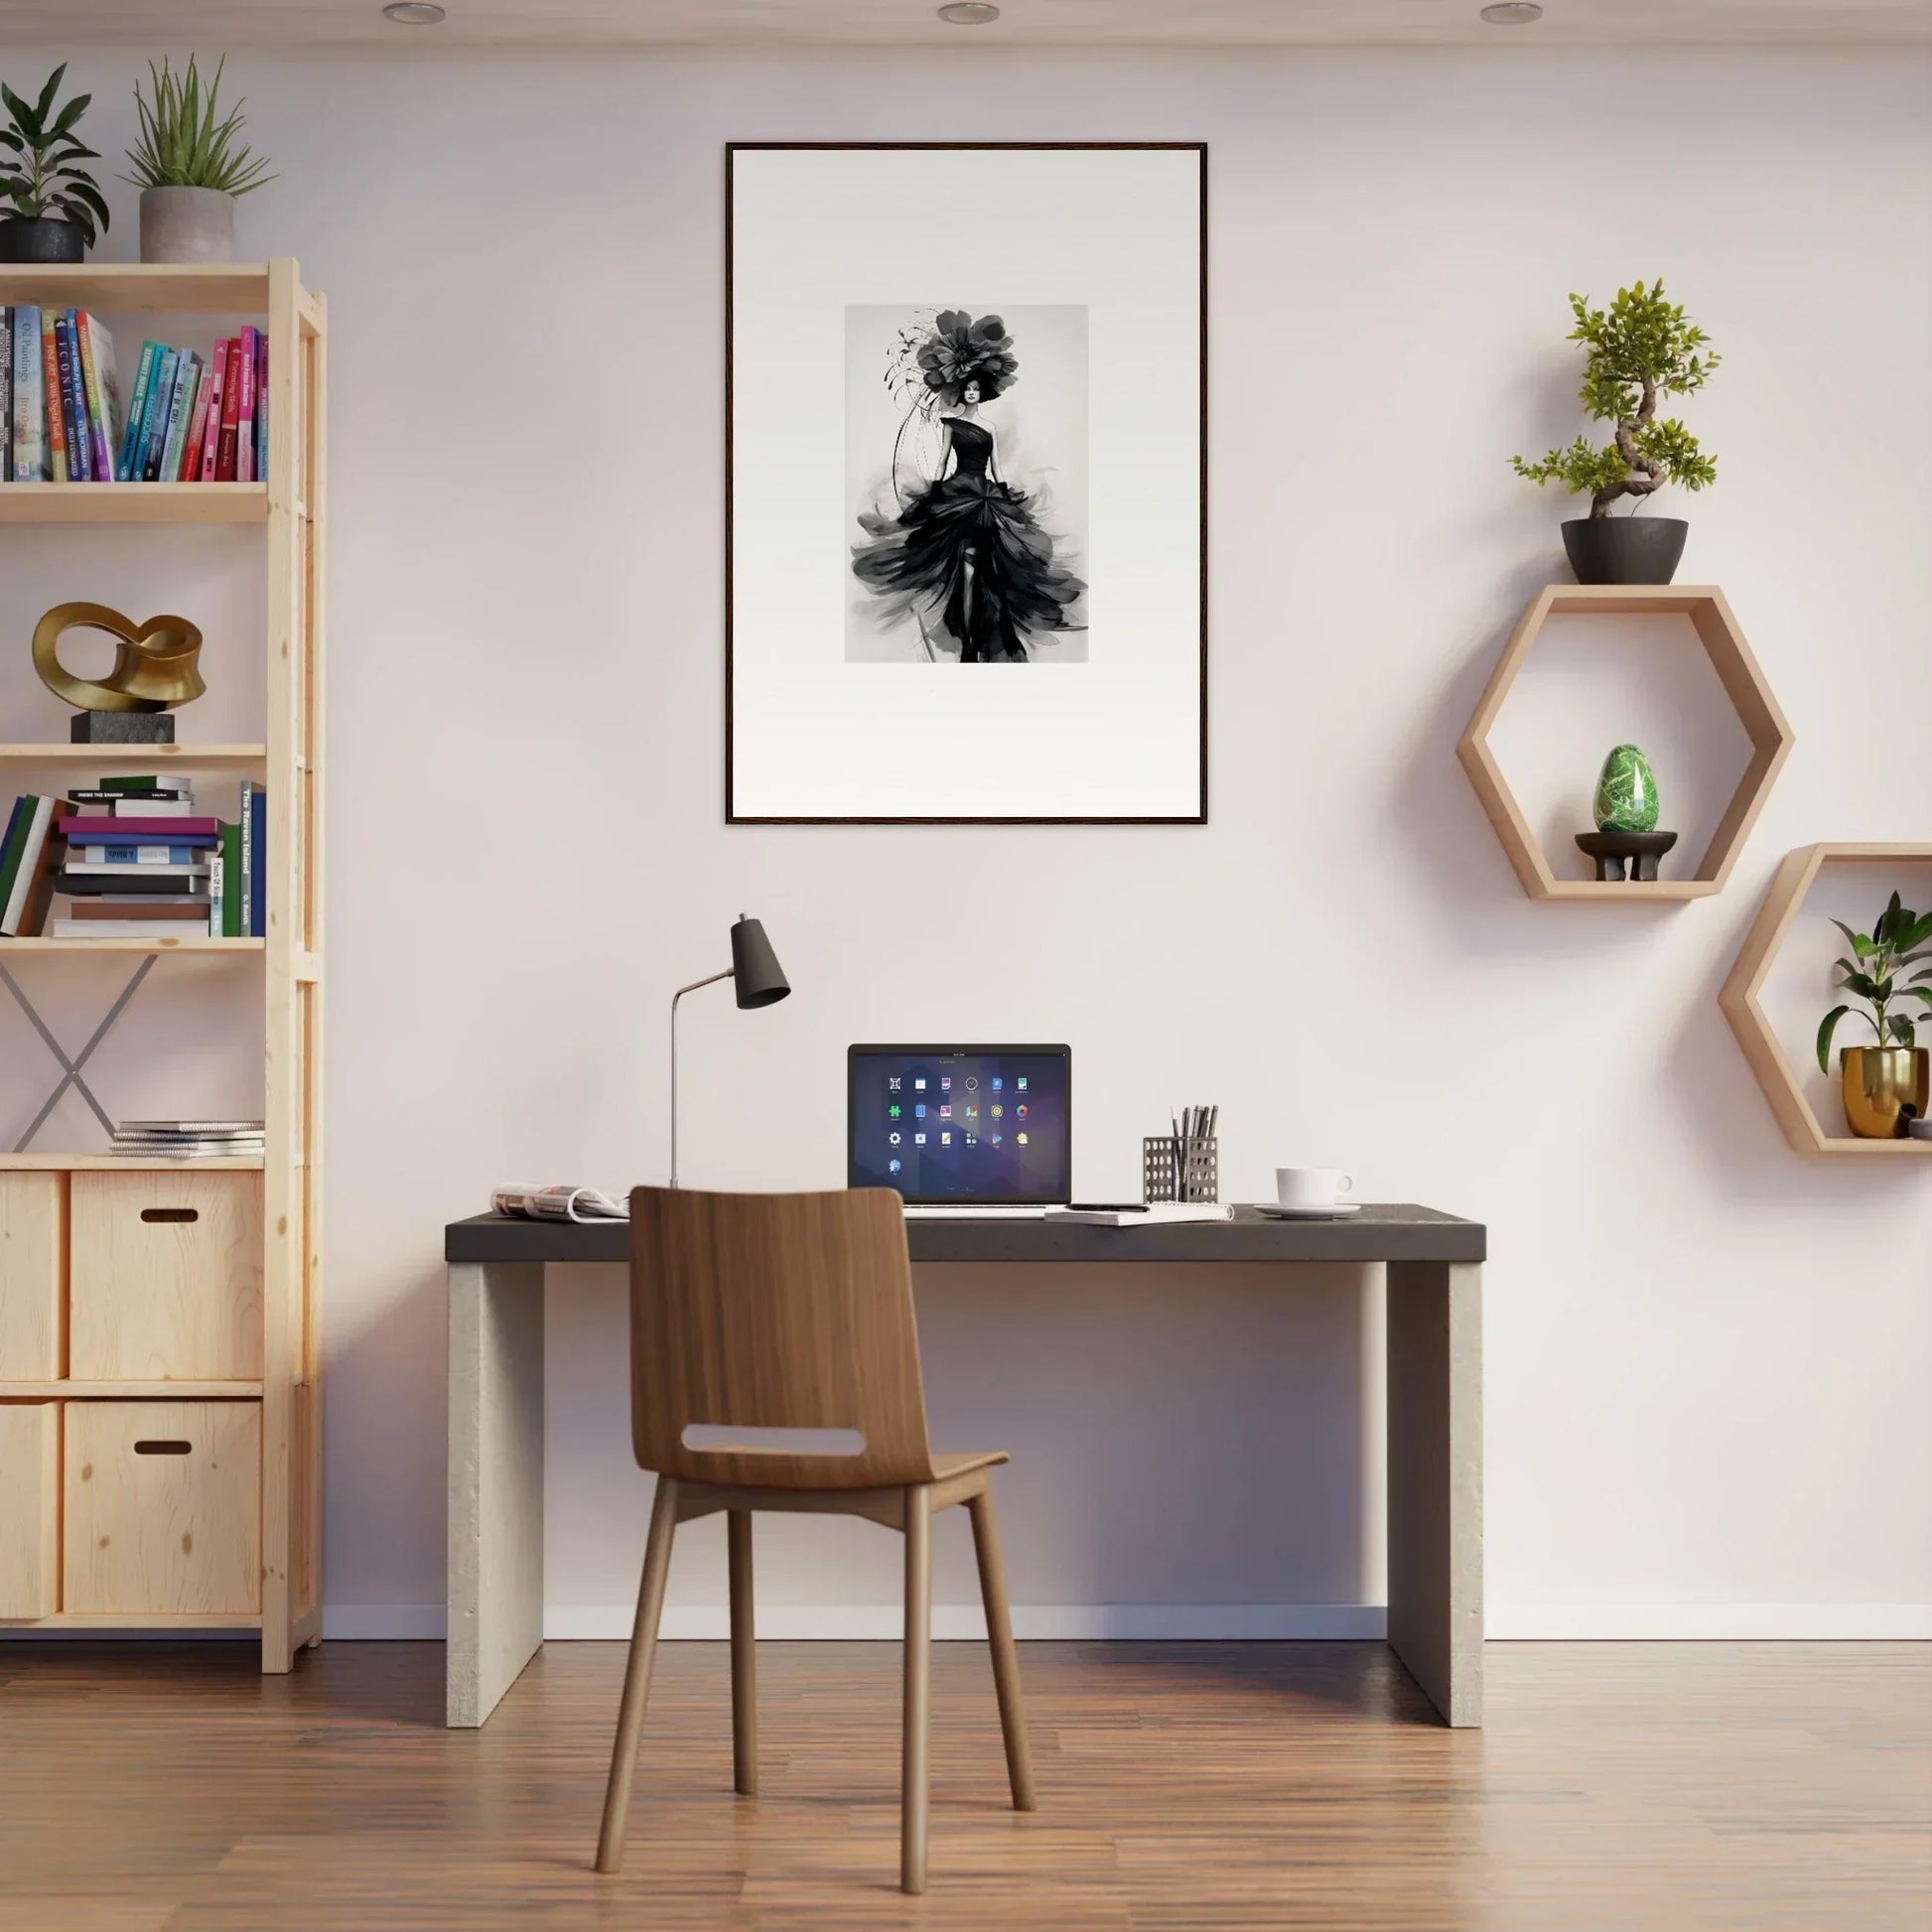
(732, 150)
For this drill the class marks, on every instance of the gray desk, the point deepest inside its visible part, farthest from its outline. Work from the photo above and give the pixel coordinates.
(1435, 1407)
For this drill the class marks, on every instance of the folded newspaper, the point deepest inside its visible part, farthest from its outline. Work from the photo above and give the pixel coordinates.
(558, 1204)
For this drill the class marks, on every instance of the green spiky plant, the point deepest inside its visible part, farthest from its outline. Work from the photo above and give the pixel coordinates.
(39, 180)
(183, 144)
(1638, 352)
(1900, 939)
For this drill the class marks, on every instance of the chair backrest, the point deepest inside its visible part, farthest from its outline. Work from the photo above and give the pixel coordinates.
(760, 1311)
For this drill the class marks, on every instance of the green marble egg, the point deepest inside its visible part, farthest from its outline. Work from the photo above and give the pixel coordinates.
(1626, 792)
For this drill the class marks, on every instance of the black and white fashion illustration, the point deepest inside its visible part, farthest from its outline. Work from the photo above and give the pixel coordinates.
(954, 553)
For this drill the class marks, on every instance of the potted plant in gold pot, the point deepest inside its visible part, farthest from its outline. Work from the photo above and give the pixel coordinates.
(1887, 1085)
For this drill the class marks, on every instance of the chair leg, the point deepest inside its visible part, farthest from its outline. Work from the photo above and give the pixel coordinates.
(745, 1669)
(915, 1770)
(1005, 1658)
(636, 1675)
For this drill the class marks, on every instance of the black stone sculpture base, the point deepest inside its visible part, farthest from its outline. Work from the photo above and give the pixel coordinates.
(122, 728)
(1611, 849)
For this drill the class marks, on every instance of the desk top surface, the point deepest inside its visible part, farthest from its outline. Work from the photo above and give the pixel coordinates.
(1382, 1231)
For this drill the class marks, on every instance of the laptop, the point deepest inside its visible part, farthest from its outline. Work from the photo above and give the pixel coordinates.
(962, 1130)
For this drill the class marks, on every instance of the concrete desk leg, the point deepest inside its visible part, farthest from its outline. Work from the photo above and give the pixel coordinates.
(1435, 1331)
(495, 1481)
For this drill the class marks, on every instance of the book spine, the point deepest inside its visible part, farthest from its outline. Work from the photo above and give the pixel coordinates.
(226, 882)
(244, 456)
(33, 877)
(161, 399)
(73, 405)
(137, 407)
(258, 871)
(261, 405)
(91, 339)
(17, 822)
(225, 449)
(146, 855)
(248, 857)
(30, 448)
(57, 421)
(190, 465)
(216, 399)
(6, 395)
(178, 414)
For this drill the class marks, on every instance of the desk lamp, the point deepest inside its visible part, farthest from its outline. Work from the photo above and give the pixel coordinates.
(760, 981)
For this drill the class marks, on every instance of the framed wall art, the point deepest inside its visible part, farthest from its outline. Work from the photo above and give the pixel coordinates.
(966, 497)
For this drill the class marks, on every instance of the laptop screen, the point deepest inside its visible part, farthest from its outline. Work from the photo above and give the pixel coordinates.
(968, 1124)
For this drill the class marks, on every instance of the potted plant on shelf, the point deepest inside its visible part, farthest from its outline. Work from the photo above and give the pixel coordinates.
(1884, 1086)
(55, 210)
(1638, 352)
(187, 167)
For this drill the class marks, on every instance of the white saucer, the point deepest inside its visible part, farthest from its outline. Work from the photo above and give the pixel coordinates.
(1341, 1209)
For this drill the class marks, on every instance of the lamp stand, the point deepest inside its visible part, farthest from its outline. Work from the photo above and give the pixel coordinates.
(675, 998)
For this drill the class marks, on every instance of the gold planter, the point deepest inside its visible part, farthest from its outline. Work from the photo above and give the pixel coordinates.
(1883, 1089)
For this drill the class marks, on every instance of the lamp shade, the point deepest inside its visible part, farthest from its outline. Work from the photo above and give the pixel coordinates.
(757, 977)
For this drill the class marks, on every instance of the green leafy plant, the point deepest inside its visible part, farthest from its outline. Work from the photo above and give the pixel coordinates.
(183, 144)
(38, 176)
(1639, 351)
(1900, 939)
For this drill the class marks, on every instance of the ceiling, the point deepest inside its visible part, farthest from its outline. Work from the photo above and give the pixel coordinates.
(1035, 23)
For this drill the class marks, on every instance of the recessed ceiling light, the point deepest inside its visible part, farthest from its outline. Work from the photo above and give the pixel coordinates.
(969, 13)
(1512, 13)
(414, 13)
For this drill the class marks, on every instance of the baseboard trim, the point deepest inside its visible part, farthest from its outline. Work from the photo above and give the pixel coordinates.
(1710, 1622)
(1189, 1622)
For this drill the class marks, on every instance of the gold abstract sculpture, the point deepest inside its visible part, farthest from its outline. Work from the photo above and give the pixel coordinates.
(154, 662)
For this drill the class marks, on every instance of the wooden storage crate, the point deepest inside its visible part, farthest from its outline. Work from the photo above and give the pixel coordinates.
(33, 1258)
(166, 1277)
(163, 1508)
(30, 1508)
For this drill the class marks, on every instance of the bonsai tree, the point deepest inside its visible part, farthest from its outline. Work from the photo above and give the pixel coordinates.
(1899, 939)
(38, 176)
(1638, 351)
(182, 144)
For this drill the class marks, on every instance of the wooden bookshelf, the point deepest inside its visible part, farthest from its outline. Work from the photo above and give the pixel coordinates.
(286, 515)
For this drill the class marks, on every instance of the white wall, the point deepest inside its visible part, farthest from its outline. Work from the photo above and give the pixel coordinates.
(1706, 1360)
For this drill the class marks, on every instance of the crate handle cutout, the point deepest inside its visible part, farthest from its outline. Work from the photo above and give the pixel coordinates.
(772, 1441)
(163, 1447)
(171, 1213)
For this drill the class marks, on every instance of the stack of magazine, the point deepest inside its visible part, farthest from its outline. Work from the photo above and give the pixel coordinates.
(189, 1140)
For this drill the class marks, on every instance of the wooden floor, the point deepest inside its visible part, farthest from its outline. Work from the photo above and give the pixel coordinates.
(1639, 1787)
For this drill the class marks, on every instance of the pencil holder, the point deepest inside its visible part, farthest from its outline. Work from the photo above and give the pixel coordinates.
(1180, 1169)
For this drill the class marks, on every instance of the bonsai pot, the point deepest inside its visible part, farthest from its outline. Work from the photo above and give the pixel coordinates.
(1885, 1089)
(187, 225)
(39, 238)
(1624, 549)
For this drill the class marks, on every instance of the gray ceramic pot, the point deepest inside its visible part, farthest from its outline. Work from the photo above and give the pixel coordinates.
(1624, 549)
(187, 225)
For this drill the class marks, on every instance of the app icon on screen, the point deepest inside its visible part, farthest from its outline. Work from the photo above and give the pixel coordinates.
(996, 1084)
(998, 1110)
(1021, 1137)
(1020, 1085)
(945, 1139)
(894, 1139)
(971, 1141)
(918, 1084)
(892, 1166)
(919, 1140)
(919, 1110)
(891, 1085)
(996, 1140)
(945, 1083)
(972, 1080)
(894, 1110)
(1020, 1112)
(945, 1112)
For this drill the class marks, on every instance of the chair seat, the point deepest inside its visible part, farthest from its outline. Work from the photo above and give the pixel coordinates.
(945, 1468)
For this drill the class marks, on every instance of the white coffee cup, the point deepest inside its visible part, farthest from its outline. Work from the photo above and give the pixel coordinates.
(1312, 1186)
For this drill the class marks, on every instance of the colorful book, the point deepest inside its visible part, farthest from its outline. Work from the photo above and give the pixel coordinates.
(224, 455)
(74, 410)
(6, 395)
(16, 834)
(56, 421)
(226, 872)
(254, 860)
(98, 882)
(178, 852)
(100, 831)
(143, 782)
(161, 397)
(146, 905)
(216, 398)
(127, 469)
(112, 796)
(190, 465)
(25, 911)
(244, 455)
(187, 376)
(102, 381)
(124, 929)
(261, 405)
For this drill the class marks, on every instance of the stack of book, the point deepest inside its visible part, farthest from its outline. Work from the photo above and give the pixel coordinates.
(136, 861)
(188, 418)
(188, 1140)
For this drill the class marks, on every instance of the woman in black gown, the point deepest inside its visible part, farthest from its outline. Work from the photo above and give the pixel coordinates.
(965, 555)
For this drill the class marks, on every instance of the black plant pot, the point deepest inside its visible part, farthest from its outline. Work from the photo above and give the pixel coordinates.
(42, 238)
(1624, 549)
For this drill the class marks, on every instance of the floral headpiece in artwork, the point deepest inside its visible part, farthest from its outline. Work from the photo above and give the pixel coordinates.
(961, 351)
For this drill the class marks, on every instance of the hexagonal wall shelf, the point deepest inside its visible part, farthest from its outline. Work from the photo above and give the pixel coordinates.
(1743, 683)
(1775, 917)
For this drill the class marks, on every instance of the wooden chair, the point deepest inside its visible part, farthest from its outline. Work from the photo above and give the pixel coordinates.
(767, 1311)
